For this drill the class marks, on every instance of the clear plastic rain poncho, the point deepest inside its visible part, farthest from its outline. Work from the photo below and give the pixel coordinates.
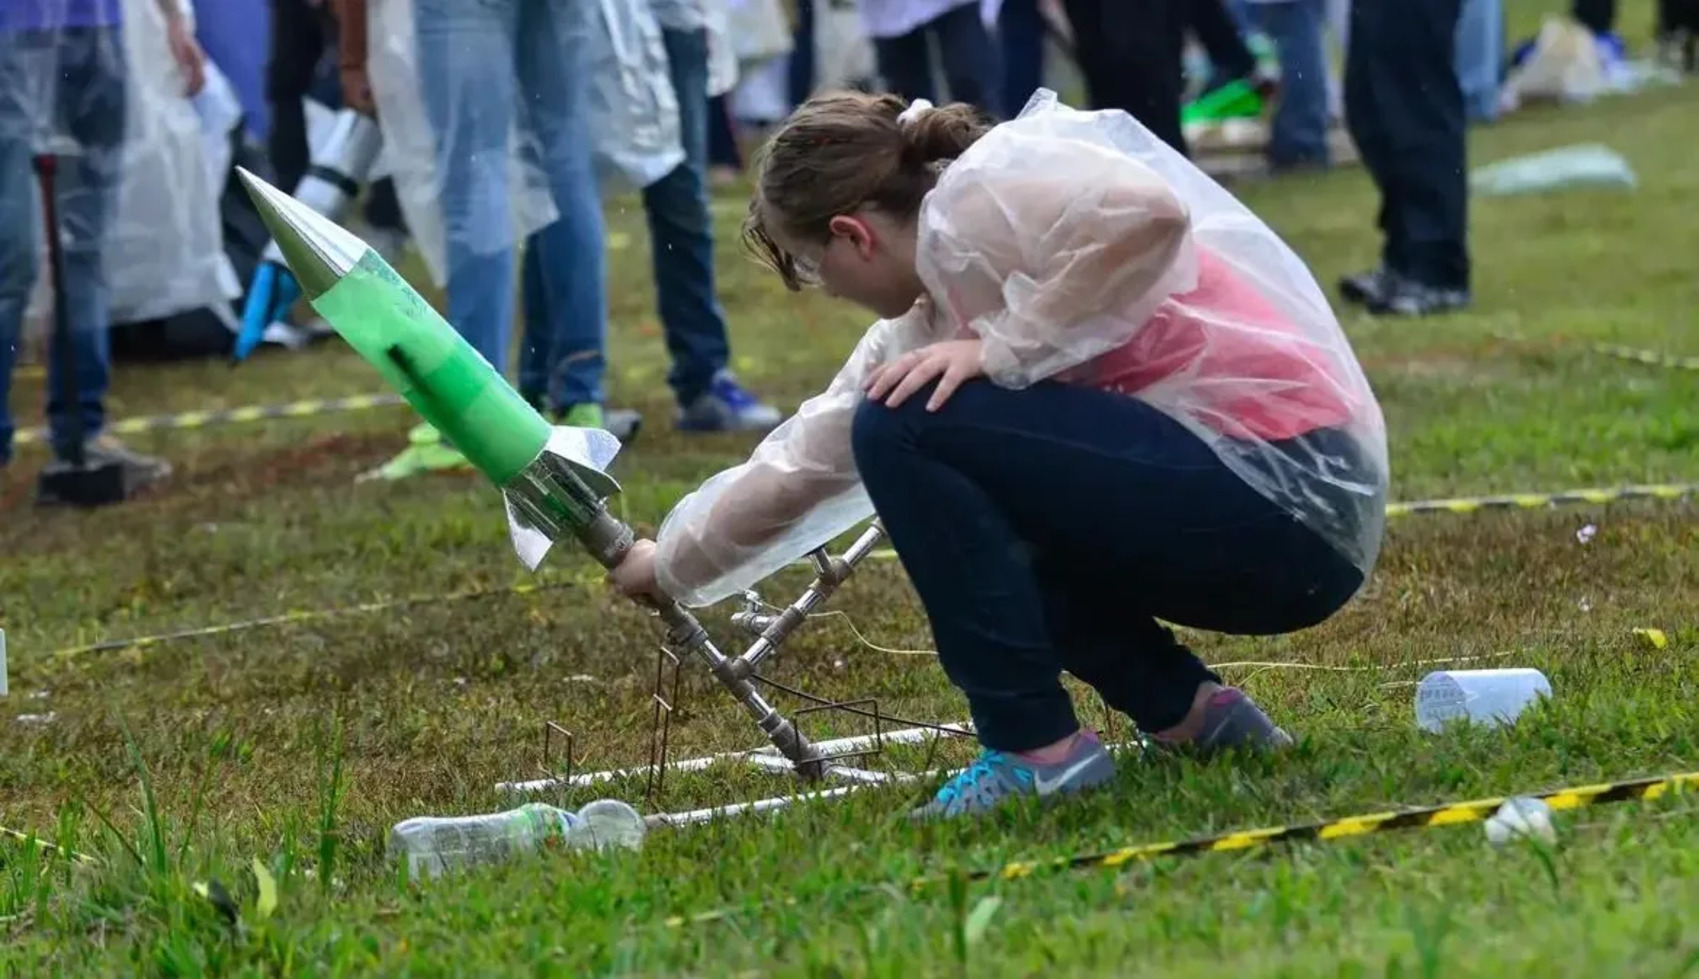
(165, 249)
(1077, 246)
(94, 82)
(634, 114)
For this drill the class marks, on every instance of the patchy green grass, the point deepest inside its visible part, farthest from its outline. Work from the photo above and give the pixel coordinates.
(299, 745)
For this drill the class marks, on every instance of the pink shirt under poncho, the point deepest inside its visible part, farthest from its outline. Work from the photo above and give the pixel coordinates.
(1076, 246)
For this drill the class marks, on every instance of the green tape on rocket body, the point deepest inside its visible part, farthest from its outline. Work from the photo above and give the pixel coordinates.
(453, 387)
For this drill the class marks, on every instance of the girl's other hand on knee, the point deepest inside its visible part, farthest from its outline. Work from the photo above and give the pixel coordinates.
(634, 576)
(951, 363)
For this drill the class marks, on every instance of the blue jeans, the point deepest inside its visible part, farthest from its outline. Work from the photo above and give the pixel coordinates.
(483, 61)
(1480, 57)
(72, 82)
(1051, 528)
(681, 235)
(1299, 131)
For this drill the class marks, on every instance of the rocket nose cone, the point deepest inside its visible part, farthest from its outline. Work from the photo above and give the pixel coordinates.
(317, 250)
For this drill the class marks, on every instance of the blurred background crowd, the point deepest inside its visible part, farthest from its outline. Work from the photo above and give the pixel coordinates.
(484, 136)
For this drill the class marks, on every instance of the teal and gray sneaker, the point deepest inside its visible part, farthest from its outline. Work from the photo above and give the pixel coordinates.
(997, 776)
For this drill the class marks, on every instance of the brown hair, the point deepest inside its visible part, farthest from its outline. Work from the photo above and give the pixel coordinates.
(840, 151)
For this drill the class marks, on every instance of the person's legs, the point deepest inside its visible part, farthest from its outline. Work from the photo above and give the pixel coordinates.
(982, 495)
(467, 74)
(467, 84)
(93, 81)
(1366, 78)
(1222, 39)
(27, 64)
(1299, 132)
(1129, 51)
(536, 343)
(681, 234)
(905, 64)
(1020, 31)
(1409, 48)
(553, 66)
(1480, 57)
(800, 71)
(973, 66)
(297, 45)
(1598, 16)
(722, 138)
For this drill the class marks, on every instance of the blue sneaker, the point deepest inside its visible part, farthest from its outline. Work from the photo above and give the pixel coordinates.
(727, 407)
(997, 776)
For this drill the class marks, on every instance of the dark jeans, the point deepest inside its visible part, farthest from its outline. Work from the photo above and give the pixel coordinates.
(681, 236)
(1020, 29)
(1221, 39)
(71, 81)
(1129, 52)
(971, 68)
(799, 72)
(722, 136)
(1599, 16)
(302, 39)
(1404, 109)
(1049, 529)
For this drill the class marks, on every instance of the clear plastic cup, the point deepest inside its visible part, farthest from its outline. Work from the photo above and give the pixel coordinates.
(1489, 696)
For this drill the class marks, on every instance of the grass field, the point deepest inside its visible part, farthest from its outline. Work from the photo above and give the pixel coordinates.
(299, 745)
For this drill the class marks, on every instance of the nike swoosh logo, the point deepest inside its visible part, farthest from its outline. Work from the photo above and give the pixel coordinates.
(1046, 786)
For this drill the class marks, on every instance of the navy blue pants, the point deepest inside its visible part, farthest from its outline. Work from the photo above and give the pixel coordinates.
(1050, 529)
(971, 62)
(1404, 108)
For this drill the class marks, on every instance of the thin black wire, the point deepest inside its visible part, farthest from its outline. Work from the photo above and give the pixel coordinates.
(860, 711)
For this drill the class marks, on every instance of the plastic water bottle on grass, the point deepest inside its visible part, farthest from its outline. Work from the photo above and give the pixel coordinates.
(434, 845)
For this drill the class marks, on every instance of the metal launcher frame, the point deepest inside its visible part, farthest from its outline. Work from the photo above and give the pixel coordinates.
(790, 750)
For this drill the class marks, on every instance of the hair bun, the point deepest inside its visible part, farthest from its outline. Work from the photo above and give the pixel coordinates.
(940, 134)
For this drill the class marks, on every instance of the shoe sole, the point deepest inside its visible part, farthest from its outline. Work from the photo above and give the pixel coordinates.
(1355, 292)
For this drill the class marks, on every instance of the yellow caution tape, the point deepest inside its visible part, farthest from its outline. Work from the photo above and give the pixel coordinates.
(1341, 828)
(232, 416)
(1654, 357)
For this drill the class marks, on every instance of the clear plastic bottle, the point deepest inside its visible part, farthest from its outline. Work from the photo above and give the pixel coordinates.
(435, 845)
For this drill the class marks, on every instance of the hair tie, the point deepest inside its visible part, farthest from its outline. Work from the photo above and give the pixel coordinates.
(915, 110)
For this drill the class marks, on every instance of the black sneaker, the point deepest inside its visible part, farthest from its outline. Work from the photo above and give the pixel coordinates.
(1407, 297)
(1365, 288)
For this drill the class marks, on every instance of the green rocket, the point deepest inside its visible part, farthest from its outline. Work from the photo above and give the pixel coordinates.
(552, 479)
(445, 380)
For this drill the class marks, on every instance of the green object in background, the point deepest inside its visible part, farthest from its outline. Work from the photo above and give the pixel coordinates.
(1235, 100)
(446, 381)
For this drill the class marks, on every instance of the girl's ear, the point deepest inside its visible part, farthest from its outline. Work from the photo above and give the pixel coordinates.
(857, 231)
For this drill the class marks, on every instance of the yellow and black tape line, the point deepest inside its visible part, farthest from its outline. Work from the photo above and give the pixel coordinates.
(1656, 358)
(1536, 501)
(233, 416)
(1326, 831)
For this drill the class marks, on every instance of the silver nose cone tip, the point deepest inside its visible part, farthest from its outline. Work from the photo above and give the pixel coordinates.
(317, 250)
